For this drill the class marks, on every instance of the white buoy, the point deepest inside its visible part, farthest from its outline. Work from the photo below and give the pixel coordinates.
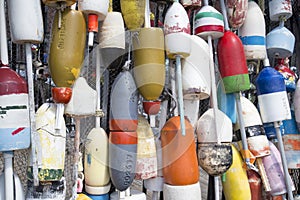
(280, 10)
(193, 192)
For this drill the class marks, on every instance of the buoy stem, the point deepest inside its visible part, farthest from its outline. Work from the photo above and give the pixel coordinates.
(205, 2)
(32, 113)
(283, 159)
(98, 89)
(173, 88)
(223, 7)
(217, 190)
(91, 39)
(110, 8)
(281, 23)
(8, 175)
(179, 92)
(147, 14)
(263, 175)
(3, 36)
(76, 159)
(59, 19)
(213, 87)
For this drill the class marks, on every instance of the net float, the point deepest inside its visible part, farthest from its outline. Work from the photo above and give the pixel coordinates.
(180, 165)
(280, 42)
(253, 34)
(237, 12)
(95, 11)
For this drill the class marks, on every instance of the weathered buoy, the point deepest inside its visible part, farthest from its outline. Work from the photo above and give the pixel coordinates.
(232, 63)
(133, 12)
(96, 163)
(196, 81)
(236, 188)
(253, 34)
(14, 111)
(149, 71)
(123, 112)
(287, 73)
(58, 3)
(66, 57)
(280, 42)
(192, 191)
(237, 12)
(255, 183)
(192, 3)
(33, 32)
(191, 108)
(146, 166)
(180, 165)
(280, 10)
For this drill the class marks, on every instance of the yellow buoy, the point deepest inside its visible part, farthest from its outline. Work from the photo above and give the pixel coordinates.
(133, 13)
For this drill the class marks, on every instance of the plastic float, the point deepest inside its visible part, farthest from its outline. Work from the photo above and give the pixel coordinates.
(272, 97)
(258, 142)
(180, 165)
(177, 28)
(209, 25)
(112, 36)
(236, 188)
(95, 11)
(133, 12)
(253, 34)
(149, 71)
(123, 136)
(237, 12)
(146, 165)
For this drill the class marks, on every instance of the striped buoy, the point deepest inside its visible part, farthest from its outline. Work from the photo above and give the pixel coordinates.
(253, 34)
(14, 111)
(208, 21)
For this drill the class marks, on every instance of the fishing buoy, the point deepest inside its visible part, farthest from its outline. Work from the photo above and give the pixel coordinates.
(235, 79)
(287, 73)
(275, 172)
(255, 183)
(21, 34)
(192, 3)
(177, 28)
(191, 108)
(280, 10)
(83, 99)
(253, 34)
(296, 100)
(133, 12)
(99, 197)
(149, 71)
(146, 166)
(192, 191)
(95, 11)
(280, 42)
(123, 136)
(112, 38)
(58, 3)
(66, 57)
(236, 188)
(123, 113)
(237, 12)
(151, 108)
(96, 163)
(179, 154)
(14, 111)
(128, 195)
(196, 81)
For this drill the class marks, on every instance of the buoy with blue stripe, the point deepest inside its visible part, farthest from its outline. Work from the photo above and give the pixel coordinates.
(178, 45)
(280, 10)
(280, 42)
(180, 164)
(95, 11)
(275, 173)
(123, 126)
(235, 184)
(274, 107)
(196, 81)
(253, 34)
(237, 12)
(133, 12)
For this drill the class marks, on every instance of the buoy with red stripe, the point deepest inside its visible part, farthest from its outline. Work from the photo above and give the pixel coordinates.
(275, 172)
(123, 126)
(237, 12)
(253, 34)
(196, 82)
(272, 96)
(14, 111)
(235, 183)
(66, 57)
(280, 42)
(180, 164)
(178, 45)
(133, 12)
(95, 11)
(112, 37)
(280, 10)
